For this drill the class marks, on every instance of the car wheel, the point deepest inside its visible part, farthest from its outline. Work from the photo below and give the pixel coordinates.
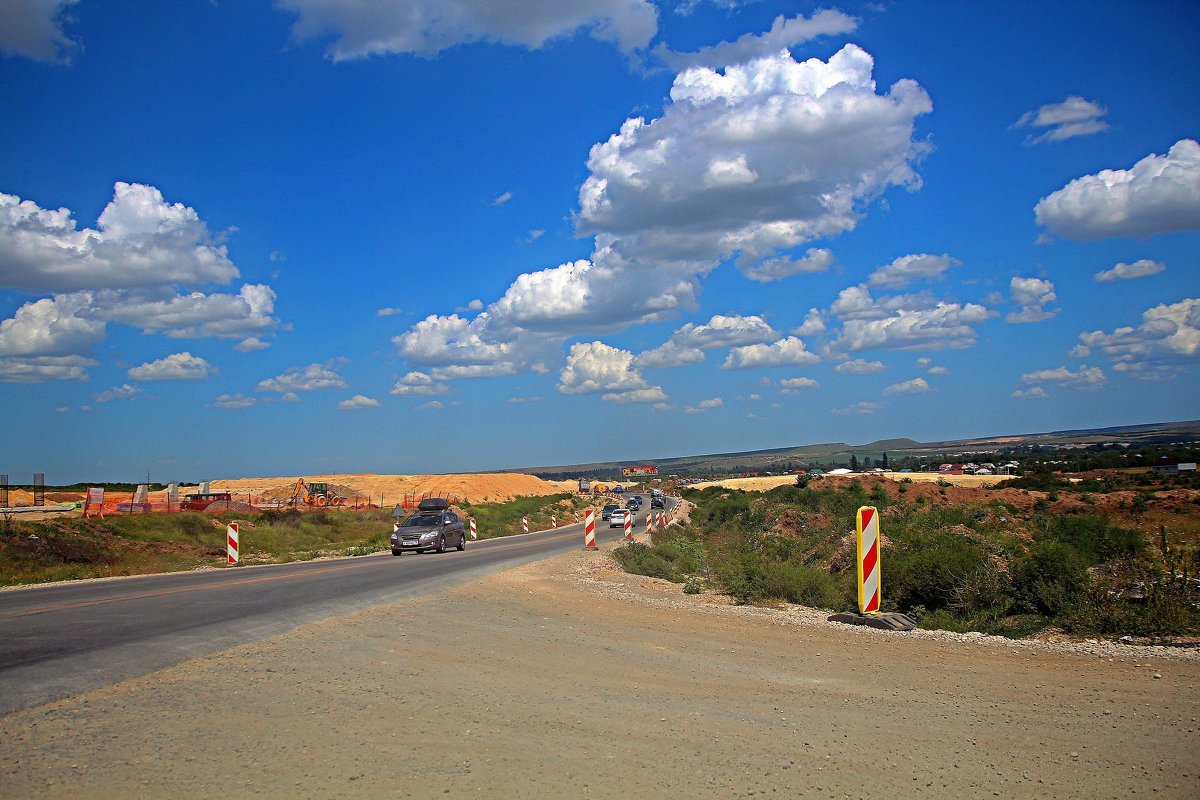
(441, 548)
(397, 552)
(462, 542)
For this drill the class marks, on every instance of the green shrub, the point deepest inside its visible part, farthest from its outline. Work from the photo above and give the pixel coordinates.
(1051, 579)
(927, 569)
(639, 559)
(1095, 538)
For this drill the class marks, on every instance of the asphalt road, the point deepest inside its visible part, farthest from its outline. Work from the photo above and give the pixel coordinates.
(61, 639)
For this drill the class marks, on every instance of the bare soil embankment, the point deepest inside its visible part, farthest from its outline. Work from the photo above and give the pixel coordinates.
(476, 487)
(569, 678)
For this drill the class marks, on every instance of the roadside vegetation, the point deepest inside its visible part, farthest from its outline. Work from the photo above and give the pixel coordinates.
(70, 548)
(504, 519)
(1004, 561)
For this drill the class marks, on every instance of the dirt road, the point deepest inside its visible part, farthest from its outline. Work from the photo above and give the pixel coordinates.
(568, 678)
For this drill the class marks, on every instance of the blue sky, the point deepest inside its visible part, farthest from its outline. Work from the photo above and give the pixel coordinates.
(317, 236)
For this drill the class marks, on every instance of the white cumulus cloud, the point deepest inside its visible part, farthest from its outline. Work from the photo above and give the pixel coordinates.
(141, 240)
(250, 344)
(747, 164)
(237, 400)
(915, 386)
(817, 259)
(861, 407)
(1084, 378)
(1031, 296)
(1159, 194)
(1169, 334)
(34, 29)
(653, 394)
(1141, 268)
(41, 369)
(122, 392)
(303, 379)
(784, 34)
(1072, 117)
(859, 366)
(908, 269)
(598, 367)
(358, 401)
(786, 352)
(175, 367)
(945, 326)
(56, 326)
(704, 405)
(427, 27)
(418, 384)
(815, 140)
(795, 385)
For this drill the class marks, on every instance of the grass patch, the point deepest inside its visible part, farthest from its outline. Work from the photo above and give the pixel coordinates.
(995, 567)
(504, 519)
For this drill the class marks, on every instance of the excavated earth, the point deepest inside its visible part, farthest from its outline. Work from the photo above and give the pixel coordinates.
(569, 678)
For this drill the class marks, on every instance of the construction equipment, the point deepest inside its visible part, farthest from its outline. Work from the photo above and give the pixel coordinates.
(585, 486)
(599, 488)
(315, 494)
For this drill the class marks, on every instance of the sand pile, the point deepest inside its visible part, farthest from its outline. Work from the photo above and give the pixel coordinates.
(476, 487)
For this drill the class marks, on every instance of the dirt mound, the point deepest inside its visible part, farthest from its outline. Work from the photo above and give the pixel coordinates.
(385, 489)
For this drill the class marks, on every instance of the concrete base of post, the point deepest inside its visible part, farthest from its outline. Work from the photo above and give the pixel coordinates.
(890, 621)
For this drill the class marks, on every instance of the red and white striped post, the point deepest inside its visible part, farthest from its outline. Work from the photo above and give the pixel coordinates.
(650, 522)
(231, 544)
(553, 521)
(629, 527)
(474, 533)
(589, 530)
(868, 560)
(524, 524)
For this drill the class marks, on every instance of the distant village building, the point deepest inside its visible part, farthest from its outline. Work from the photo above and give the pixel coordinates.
(1174, 468)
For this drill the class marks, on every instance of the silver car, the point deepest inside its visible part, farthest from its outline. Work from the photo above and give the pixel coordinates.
(432, 527)
(617, 520)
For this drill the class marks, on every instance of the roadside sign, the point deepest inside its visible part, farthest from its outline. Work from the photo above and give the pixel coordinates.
(589, 530)
(231, 544)
(868, 560)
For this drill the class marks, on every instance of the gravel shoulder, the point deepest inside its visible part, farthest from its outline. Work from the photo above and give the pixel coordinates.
(569, 678)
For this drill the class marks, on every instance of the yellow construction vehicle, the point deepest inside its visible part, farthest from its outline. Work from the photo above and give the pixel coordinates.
(315, 494)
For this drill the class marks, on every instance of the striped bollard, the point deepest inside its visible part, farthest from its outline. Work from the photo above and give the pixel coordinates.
(649, 522)
(231, 544)
(553, 521)
(629, 527)
(474, 533)
(589, 530)
(524, 524)
(868, 560)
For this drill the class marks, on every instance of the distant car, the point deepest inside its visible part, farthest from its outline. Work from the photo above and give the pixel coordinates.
(432, 527)
(658, 502)
(608, 510)
(617, 520)
(634, 503)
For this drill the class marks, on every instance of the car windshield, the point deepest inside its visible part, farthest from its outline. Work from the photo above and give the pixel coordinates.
(422, 520)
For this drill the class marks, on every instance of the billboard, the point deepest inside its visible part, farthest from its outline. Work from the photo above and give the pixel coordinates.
(648, 469)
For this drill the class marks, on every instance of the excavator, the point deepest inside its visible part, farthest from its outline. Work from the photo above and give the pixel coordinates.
(315, 494)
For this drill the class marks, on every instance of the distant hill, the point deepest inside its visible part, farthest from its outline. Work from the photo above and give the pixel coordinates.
(787, 459)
